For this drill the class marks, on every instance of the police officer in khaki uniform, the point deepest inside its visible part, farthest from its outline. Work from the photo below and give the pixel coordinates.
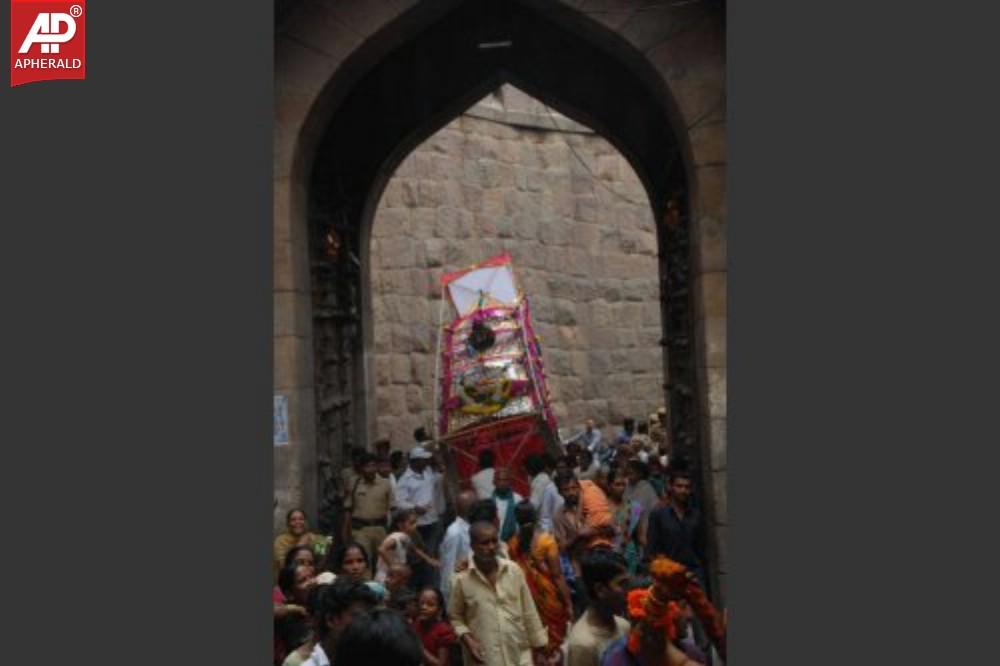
(367, 504)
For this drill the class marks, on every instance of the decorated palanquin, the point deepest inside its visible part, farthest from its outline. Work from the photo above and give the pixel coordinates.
(491, 379)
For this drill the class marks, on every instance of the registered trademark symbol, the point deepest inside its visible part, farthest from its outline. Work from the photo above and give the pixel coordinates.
(76, 11)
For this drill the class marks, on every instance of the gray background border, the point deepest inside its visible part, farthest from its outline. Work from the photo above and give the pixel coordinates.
(862, 346)
(136, 278)
(137, 361)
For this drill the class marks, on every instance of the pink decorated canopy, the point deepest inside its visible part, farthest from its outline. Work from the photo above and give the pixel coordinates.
(490, 360)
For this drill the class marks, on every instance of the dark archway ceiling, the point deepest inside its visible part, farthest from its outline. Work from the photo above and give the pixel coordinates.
(423, 84)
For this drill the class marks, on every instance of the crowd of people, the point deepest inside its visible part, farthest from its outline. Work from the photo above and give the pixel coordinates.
(602, 564)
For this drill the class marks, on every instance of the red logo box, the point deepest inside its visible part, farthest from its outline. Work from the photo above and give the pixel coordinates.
(47, 41)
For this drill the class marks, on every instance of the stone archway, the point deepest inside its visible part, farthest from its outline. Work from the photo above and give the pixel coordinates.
(653, 83)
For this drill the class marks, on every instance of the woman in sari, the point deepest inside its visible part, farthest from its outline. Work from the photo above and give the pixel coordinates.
(297, 534)
(537, 553)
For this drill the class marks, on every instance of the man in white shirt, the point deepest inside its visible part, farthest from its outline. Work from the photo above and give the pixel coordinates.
(417, 490)
(455, 544)
(482, 481)
(545, 496)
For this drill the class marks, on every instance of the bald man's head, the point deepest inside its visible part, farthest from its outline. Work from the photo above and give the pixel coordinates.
(464, 502)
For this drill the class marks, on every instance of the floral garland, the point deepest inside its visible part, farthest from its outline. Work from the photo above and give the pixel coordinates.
(664, 614)
(645, 608)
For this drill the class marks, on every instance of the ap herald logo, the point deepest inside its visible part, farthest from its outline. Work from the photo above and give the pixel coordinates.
(47, 41)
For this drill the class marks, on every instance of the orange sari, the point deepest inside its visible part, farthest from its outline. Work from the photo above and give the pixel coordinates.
(554, 613)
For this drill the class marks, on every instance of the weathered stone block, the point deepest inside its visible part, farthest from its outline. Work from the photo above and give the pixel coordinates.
(446, 223)
(383, 369)
(448, 141)
(292, 362)
(554, 232)
(292, 313)
(710, 340)
(435, 249)
(423, 369)
(710, 295)
(649, 336)
(709, 244)
(382, 333)
(587, 209)
(472, 196)
(572, 389)
(565, 312)
(554, 155)
(383, 425)
(608, 167)
(708, 143)
(392, 197)
(529, 156)
(720, 496)
(390, 400)
(558, 362)
(430, 194)
(493, 204)
(620, 364)
(560, 286)
(602, 337)
(602, 314)
(711, 191)
(415, 402)
(397, 252)
(423, 168)
(718, 445)
(492, 174)
(508, 151)
(453, 194)
(715, 380)
(526, 227)
(444, 168)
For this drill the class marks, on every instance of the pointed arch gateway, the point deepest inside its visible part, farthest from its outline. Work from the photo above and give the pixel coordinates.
(360, 84)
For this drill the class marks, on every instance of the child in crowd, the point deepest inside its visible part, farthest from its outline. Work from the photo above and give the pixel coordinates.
(436, 634)
(404, 539)
(397, 581)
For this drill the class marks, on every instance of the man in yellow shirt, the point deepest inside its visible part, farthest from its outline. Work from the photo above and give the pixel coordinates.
(492, 610)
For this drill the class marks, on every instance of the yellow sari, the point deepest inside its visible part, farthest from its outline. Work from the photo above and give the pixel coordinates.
(551, 608)
(285, 542)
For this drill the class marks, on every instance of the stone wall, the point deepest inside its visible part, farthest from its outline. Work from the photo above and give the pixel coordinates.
(511, 176)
